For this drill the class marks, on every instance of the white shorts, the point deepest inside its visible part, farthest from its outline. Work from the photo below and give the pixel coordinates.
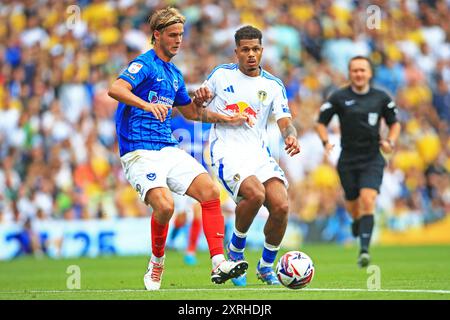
(232, 170)
(169, 167)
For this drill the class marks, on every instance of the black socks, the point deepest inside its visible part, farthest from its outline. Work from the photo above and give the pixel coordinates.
(366, 223)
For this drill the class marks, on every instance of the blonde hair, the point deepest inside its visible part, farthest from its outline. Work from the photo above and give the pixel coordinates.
(163, 18)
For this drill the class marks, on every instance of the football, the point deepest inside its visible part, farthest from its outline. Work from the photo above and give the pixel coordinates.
(295, 270)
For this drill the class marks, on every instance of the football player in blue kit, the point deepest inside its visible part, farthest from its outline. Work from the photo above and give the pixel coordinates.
(153, 164)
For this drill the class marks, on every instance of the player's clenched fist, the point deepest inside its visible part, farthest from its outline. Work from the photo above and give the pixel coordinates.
(201, 95)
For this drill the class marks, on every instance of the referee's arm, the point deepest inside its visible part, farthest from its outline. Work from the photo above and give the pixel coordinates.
(390, 116)
(322, 131)
(387, 145)
(327, 110)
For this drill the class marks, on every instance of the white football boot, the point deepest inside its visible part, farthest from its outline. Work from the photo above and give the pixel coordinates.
(153, 276)
(228, 269)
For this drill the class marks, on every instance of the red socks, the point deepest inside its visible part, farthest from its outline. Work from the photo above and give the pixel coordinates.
(194, 234)
(213, 226)
(159, 235)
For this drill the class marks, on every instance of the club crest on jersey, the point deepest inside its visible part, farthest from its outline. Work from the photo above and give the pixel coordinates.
(175, 85)
(372, 118)
(151, 176)
(134, 67)
(262, 95)
(152, 97)
(139, 189)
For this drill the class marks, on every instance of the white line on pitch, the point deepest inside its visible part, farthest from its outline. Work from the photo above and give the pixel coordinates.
(226, 289)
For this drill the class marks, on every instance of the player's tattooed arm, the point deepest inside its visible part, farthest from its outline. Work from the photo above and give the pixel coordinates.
(210, 117)
(202, 96)
(289, 134)
(289, 130)
(213, 117)
(197, 113)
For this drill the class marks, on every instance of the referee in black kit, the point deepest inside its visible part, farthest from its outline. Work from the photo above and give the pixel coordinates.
(360, 108)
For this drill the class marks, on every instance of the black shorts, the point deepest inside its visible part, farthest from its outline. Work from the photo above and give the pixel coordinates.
(364, 174)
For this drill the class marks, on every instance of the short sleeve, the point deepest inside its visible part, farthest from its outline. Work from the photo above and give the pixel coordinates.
(389, 110)
(136, 73)
(182, 96)
(210, 82)
(328, 110)
(280, 106)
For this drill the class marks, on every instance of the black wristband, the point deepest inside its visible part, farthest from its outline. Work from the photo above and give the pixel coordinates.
(324, 142)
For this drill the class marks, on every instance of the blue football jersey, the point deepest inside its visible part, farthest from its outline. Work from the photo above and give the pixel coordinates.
(156, 81)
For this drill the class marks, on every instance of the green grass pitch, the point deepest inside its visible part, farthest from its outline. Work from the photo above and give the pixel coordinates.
(419, 272)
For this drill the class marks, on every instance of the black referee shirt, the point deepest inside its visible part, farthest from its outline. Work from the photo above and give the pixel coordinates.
(359, 117)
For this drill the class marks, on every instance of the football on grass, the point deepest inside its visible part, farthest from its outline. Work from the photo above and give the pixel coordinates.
(295, 270)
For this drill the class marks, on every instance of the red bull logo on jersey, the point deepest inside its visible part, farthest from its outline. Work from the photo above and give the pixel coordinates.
(241, 107)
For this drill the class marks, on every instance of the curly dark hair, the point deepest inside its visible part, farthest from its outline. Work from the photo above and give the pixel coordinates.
(248, 33)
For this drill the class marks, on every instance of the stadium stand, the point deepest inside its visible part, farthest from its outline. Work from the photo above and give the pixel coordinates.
(58, 152)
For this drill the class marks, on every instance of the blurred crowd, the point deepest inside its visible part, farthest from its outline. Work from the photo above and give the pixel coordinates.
(58, 151)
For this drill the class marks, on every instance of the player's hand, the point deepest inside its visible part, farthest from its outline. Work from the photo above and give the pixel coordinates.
(201, 95)
(386, 146)
(328, 148)
(292, 146)
(251, 120)
(236, 119)
(160, 111)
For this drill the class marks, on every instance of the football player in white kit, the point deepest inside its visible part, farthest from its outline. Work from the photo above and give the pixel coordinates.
(147, 91)
(240, 156)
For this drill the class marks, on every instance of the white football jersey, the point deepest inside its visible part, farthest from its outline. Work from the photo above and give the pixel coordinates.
(258, 97)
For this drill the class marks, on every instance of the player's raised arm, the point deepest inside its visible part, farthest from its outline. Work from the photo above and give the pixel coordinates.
(120, 90)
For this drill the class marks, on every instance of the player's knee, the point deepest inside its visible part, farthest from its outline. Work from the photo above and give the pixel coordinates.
(283, 209)
(280, 211)
(210, 192)
(214, 192)
(367, 203)
(163, 209)
(165, 213)
(256, 196)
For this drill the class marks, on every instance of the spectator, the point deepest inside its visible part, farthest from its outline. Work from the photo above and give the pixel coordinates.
(57, 134)
(441, 101)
